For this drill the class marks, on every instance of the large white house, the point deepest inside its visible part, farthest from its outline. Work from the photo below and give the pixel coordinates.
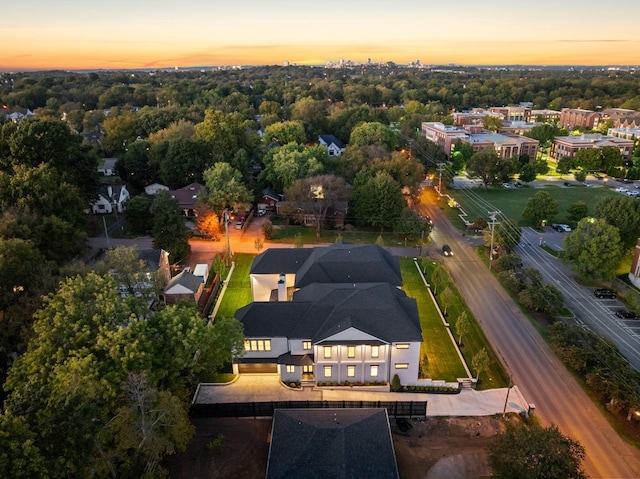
(334, 314)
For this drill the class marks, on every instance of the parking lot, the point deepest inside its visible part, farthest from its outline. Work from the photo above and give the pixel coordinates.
(598, 315)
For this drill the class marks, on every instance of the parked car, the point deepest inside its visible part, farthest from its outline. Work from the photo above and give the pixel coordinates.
(566, 183)
(561, 227)
(633, 193)
(626, 314)
(621, 189)
(627, 181)
(604, 293)
(446, 250)
(239, 225)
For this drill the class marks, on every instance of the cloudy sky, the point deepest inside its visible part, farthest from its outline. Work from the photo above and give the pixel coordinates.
(73, 34)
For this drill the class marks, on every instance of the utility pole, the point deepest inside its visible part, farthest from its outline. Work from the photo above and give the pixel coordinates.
(227, 259)
(492, 215)
(504, 410)
(440, 170)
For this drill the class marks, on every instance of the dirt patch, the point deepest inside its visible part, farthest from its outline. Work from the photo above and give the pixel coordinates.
(453, 448)
(243, 450)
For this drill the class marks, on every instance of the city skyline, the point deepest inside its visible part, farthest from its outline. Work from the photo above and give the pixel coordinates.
(137, 34)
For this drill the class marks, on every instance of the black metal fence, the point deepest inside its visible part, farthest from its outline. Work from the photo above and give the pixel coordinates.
(410, 409)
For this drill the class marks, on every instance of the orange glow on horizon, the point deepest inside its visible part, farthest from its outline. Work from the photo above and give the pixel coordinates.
(48, 57)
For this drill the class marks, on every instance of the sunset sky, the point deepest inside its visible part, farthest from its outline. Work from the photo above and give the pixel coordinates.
(120, 34)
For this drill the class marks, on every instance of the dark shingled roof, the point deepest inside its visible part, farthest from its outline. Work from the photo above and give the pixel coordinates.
(346, 263)
(331, 443)
(337, 263)
(328, 139)
(275, 261)
(319, 311)
(296, 359)
(186, 279)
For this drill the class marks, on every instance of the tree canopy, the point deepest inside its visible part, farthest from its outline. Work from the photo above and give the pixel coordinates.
(593, 249)
(533, 452)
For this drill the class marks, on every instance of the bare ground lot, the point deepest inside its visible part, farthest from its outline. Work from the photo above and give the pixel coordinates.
(451, 448)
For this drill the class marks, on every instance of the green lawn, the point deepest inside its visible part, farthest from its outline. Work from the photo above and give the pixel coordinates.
(474, 340)
(512, 202)
(443, 361)
(238, 293)
(287, 234)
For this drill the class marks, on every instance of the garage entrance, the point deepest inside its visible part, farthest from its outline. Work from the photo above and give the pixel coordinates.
(257, 368)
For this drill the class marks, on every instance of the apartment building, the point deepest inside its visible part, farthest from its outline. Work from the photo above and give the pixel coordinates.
(569, 145)
(571, 118)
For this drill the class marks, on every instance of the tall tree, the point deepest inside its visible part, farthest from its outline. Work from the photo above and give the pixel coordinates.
(222, 134)
(182, 163)
(622, 212)
(484, 165)
(377, 199)
(285, 164)
(52, 142)
(285, 132)
(576, 211)
(533, 452)
(589, 160)
(169, 230)
(462, 325)
(317, 195)
(593, 249)
(480, 362)
(540, 207)
(225, 188)
(373, 133)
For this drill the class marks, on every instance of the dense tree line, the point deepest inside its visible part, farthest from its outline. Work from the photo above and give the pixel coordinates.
(244, 90)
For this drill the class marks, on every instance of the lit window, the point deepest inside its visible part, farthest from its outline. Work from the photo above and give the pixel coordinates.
(291, 369)
(327, 352)
(374, 371)
(402, 346)
(328, 371)
(351, 351)
(351, 371)
(306, 345)
(307, 368)
(402, 366)
(375, 351)
(257, 345)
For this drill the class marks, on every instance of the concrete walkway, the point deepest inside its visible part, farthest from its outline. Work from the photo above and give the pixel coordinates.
(267, 387)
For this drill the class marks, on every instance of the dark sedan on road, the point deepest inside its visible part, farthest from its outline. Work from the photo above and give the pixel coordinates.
(446, 250)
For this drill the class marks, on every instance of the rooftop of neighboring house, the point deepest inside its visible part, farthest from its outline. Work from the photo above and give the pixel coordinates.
(328, 139)
(187, 195)
(110, 191)
(337, 443)
(185, 279)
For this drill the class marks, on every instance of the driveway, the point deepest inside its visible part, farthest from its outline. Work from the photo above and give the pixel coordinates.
(267, 387)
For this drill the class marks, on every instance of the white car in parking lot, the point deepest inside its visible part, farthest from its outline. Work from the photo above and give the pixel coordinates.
(621, 189)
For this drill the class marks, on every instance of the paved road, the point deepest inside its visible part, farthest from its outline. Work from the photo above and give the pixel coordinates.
(540, 376)
(597, 314)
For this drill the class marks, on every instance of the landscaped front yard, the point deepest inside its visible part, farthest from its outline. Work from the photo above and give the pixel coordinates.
(442, 360)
